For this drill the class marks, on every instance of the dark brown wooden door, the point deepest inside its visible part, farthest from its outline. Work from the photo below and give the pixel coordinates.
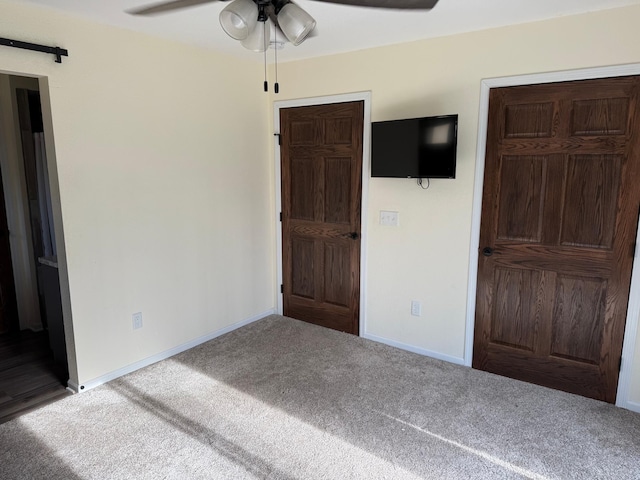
(559, 217)
(321, 155)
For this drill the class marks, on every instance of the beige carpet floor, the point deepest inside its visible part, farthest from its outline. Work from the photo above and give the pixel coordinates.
(282, 399)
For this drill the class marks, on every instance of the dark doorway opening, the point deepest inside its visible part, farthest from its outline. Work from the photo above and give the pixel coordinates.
(33, 357)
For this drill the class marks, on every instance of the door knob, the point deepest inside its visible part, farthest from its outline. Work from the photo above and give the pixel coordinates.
(487, 251)
(352, 235)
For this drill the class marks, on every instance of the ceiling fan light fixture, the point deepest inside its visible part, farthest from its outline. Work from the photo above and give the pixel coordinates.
(239, 18)
(295, 23)
(259, 38)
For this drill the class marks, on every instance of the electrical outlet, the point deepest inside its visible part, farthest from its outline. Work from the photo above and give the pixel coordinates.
(389, 219)
(416, 308)
(137, 320)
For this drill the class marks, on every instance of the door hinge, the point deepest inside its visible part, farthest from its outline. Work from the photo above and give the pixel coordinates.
(279, 138)
(280, 216)
(620, 365)
(281, 288)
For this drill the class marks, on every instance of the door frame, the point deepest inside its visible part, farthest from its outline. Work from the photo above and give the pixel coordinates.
(366, 149)
(633, 309)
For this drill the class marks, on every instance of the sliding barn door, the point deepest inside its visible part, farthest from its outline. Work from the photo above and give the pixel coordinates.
(559, 217)
(321, 154)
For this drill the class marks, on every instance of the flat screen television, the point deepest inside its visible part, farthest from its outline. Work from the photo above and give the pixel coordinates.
(415, 147)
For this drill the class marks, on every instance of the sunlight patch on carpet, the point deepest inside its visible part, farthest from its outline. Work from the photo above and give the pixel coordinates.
(210, 426)
(486, 456)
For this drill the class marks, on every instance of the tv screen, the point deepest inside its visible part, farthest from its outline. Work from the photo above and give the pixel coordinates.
(415, 147)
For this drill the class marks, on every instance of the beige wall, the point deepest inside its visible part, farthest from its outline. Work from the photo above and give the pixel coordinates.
(164, 184)
(427, 257)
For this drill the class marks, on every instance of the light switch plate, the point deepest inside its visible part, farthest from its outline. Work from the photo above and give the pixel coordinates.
(136, 319)
(389, 219)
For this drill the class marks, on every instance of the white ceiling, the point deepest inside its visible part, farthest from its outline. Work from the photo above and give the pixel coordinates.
(339, 28)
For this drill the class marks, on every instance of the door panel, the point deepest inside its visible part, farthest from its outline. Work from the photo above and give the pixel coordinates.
(577, 325)
(528, 120)
(302, 268)
(590, 203)
(337, 198)
(512, 323)
(600, 116)
(303, 189)
(521, 198)
(336, 264)
(559, 213)
(321, 158)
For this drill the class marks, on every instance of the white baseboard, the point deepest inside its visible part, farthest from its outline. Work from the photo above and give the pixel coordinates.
(411, 348)
(633, 406)
(163, 355)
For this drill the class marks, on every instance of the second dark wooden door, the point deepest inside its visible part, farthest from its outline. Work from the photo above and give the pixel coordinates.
(321, 159)
(559, 217)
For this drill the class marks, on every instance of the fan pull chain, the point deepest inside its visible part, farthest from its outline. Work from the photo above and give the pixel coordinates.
(264, 33)
(276, 87)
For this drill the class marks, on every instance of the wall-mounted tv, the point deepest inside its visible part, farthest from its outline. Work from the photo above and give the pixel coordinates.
(415, 147)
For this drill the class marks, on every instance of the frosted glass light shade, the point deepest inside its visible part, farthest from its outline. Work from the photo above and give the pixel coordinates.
(239, 18)
(259, 38)
(295, 23)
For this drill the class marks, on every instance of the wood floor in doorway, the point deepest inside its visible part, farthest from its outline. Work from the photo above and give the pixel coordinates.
(28, 376)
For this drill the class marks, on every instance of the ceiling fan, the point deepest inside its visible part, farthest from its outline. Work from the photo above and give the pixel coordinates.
(251, 21)
(240, 18)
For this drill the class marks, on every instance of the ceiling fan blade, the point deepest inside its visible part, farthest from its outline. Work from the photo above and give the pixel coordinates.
(168, 6)
(396, 4)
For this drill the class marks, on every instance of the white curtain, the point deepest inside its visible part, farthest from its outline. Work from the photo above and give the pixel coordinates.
(44, 197)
